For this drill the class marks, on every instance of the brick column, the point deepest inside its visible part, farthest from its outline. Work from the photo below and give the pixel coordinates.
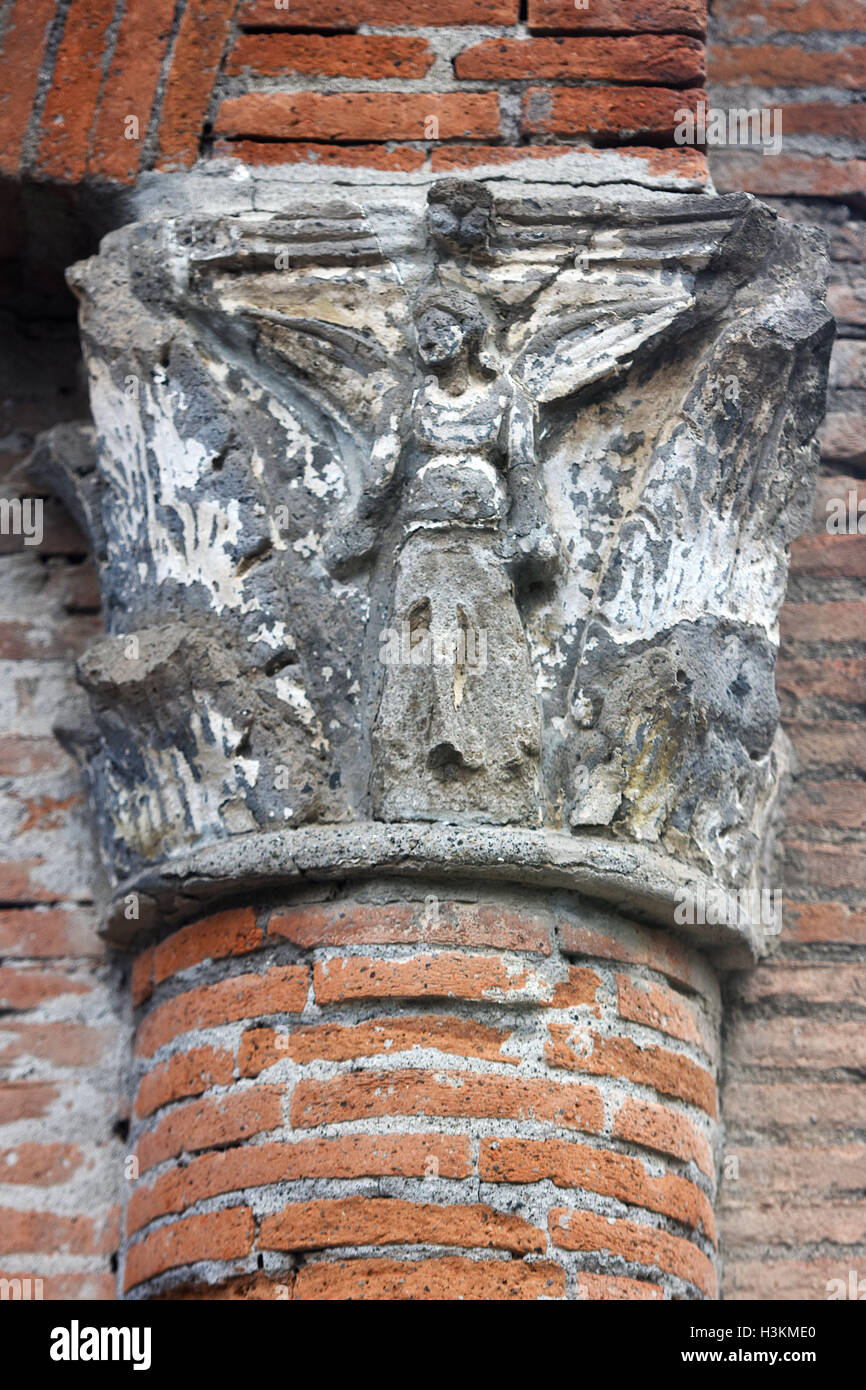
(385, 1095)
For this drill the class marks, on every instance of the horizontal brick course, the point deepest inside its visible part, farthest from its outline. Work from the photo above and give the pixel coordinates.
(348, 14)
(221, 1235)
(445, 1279)
(357, 56)
(282, 989)
(665, 16)
(645, 59)
(667, 1072)
(348, 116)
(584, 1230)
(255, 1165)
(211, 1123)
(624, 113)
(456, 1094)
(390, 1221)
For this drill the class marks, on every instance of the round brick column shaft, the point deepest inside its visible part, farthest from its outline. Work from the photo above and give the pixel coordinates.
(394, 1095)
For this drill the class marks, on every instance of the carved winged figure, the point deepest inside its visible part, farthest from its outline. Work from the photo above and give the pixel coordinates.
(456, 502)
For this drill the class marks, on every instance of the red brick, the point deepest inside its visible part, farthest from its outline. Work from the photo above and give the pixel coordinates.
(23, 988)
(335, 55)
(262, 1047)
(791, 1043)
(829, 556)
(603, 1288)
(46, 813)
(822, 1170)
(130, 88)
(70, 106)
(24, 40)
(643, 1245)
(825, 865)
(184, 1074)
(838, 678)
(66, 1288)
(19, 883)
(64, 1044)
(800, 1108)
(349, 116)
(848, 243)
(441, 924)
(50, 931)
(571, 1165)
(211, 1124)
(41, 640)
(788, 175)
(770, 65)
(219, 1235)
(349, 14)
(786, 1223)
(635, 945)
(827, 803)
(282, 989)
(449, 975)
(827, 921)
(369, 1094)
(843, 434)
(655, 1006)
(646, 59)
(439, 1280)
(830, 983)
(25, 1100)
(40, 1165)
(780, 1281)
(830, 744)
(664, 1130)
(623, 112)
(403, 157)
(667, 1072)
(391, 1221)
(196, 56)
(232, 933)
(22, 757)
(841, 122)
(60, 535)
(848, 359)
(748, 19)
(257, 1165)
(48, 1233)
(632, 16)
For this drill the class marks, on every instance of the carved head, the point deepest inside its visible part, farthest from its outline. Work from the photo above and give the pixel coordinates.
(450, 326)
(460, 216)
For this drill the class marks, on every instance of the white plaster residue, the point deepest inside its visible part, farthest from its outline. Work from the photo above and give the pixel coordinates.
(327, 482)
(292, 692)
(274, 636)
(141, 496)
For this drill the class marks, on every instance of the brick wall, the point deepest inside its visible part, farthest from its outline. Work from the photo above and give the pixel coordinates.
(791, 1211)
(62, 1036)
(101, 92)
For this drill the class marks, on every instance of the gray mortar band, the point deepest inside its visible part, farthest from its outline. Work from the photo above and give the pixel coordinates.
(640, 883)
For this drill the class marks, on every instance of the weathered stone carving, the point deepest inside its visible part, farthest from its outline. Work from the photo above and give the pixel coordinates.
(575, 433)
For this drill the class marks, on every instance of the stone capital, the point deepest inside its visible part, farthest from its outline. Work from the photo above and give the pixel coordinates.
(445, 531)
